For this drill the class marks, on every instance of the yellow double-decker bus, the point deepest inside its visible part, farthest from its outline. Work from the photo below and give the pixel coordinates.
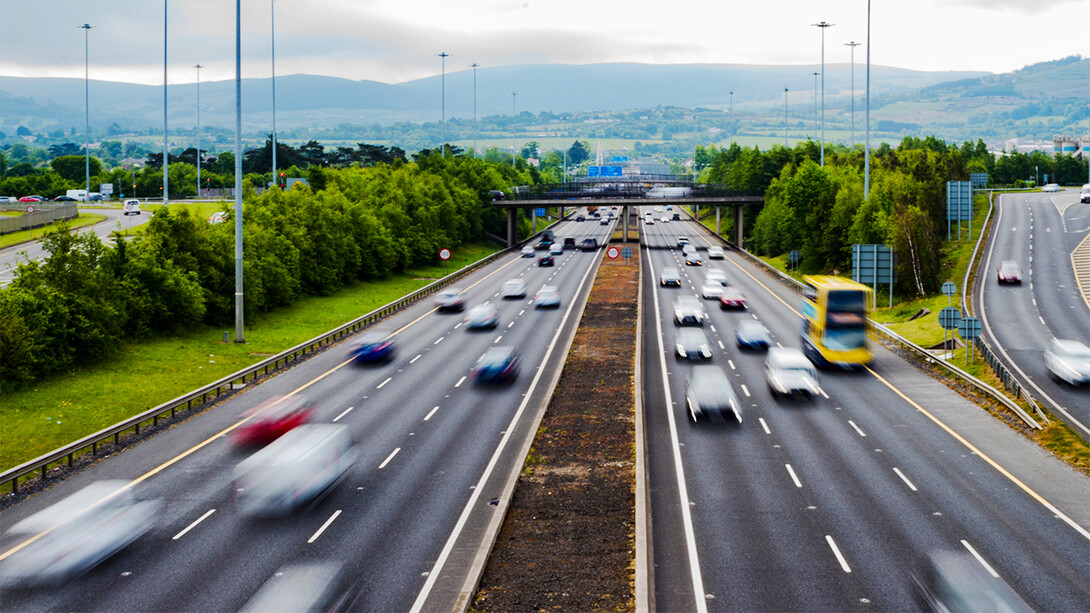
(835, 322)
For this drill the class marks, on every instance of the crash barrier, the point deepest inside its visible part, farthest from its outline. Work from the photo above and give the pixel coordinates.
(44, 214)
(66, 455)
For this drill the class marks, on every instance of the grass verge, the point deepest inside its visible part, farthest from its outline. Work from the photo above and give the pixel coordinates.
(145, 374)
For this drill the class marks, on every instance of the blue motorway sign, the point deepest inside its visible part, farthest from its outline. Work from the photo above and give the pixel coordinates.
(539, 212)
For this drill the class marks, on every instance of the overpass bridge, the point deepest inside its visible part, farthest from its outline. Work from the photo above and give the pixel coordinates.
(625, 192)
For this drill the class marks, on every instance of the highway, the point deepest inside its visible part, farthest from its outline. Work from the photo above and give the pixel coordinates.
(115, 220)
(1039, 231)
(830, 504)
(434, 453)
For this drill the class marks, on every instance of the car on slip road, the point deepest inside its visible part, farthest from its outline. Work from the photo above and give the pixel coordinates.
(1009, 272)
(1068, 361)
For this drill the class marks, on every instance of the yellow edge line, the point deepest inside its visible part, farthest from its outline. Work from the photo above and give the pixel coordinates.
(165, 465)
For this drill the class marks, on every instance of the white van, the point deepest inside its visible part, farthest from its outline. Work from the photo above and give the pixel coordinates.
(1085, 195)
(131, 207)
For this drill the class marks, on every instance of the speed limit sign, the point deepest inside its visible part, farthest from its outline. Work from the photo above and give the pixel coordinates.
(30, 209)
(444, 254)
(612, 253)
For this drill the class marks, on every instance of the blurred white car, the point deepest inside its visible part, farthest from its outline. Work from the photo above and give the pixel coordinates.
(789, 373)
(717, 276)
(294, 471)
(548, 296)
(514, 288)
(711, 289)
(715, 253)
(77, 533)
(528, 251)
(318, 586)
(1068, 361)
(1051, 187)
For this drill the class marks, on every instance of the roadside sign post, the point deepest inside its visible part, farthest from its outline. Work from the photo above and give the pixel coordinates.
(794, 259)
(444, 254)
(874, 264)
(948, 290)
(949, 319)
(959, 205)
(627, 254)
(969, 329)
(612, 253)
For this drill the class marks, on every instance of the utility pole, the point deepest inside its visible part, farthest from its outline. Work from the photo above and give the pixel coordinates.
(513, 94)
(198, 67)
(443, 101)
(166, 142)
(239, 302)
(853, 45)
(822, 25)
(866, 149)
(86, 111)
(474, 66)
(815, 73)
(785, 115)
(272, 36)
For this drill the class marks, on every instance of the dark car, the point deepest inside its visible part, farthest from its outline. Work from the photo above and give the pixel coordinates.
(64, 199)
(670, 277)
(1009, 272)
(569, 242)
(708, 393)
(589, 244)
(580, 218)
(375, 346)
(545, 260)
(272, 419)
(750, 334)
(676, 217)
(497, 365)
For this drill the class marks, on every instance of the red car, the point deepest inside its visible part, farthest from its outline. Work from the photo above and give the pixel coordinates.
(31, 199)
(732, 299)
(272, 419)
(1009, 272)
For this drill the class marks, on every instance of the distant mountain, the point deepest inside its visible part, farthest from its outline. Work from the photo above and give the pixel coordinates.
(45, 104)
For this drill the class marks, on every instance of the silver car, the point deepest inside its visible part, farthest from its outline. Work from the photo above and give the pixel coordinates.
(514, 288)
(715, 253)
(789, 373)
(688, 311)
(1068, 361)
(77, 533)
(692, 344)
(708, 393)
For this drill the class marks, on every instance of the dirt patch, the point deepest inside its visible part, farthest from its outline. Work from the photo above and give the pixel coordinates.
(567, 542)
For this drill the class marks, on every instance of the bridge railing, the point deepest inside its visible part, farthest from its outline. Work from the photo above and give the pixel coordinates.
(639, 187)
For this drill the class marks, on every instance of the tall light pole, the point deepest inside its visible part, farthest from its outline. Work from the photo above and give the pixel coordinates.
(731, 106)
(86, 111)
(866, 148)
(822, 25)
(443, 103)
(272, 31)
(785, 115)
(853, 45)
(198, 67)
(239, 303)
(513, 95)
(166, 143)
(474, 66)
(815, 73)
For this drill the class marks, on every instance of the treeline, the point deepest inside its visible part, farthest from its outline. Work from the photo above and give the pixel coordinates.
(820, 210)
(80, 303)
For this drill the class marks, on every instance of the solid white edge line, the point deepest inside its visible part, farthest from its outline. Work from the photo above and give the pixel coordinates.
(193, 525)
(448, 547)
(861, 433)
(905, 479)
(764, 425)
(979, 558)
(379, 386)
(836, 552)
(343, 413)
(388, 458)
(683, 493)
(324, 526)
(794, 477)
(430, 413)
(460, 381)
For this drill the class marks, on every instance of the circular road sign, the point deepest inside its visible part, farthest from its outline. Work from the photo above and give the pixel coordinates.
(444, 254)
(969, 328)
(949, 318)
(949, 289)
(612, 253)
(30, 208)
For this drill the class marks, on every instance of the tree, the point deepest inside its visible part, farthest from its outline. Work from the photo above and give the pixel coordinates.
(57, 151)
(74, 167)
(23, 131)
(578, 153)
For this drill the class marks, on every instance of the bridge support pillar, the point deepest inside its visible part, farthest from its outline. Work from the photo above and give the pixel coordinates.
(512, 227)
(738, 226)
(717, 211)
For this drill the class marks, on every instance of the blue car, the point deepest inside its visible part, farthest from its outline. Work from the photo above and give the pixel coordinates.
(750, 334)
(497, 365)
(374, 347)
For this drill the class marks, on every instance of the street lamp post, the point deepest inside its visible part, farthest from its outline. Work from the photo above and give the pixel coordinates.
(822, 25)
(474, 66)
(272, 36)
(239, 302)
(513, 95)
(853, 45)
(86, 111)
(443, 102)
(866, 149)
(198, 67)
(731, 106)
(785, 115)
(166, 142)
(816, 74)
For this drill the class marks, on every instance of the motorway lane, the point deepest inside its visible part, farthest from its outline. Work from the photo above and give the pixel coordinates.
(396, 508)
(867, 473)
(115, 220)
(1039, 231)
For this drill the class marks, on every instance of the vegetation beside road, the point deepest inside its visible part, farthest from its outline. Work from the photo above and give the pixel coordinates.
(146, 373)
(25, 236)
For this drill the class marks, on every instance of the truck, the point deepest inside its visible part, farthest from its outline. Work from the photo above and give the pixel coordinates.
(79, 194)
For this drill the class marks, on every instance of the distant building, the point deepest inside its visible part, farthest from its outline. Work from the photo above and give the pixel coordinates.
(1064, 145)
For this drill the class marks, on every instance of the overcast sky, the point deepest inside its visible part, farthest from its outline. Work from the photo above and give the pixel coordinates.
(396, 40)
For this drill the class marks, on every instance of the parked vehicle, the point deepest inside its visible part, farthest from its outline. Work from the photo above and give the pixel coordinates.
(295, 471)
(32, 199)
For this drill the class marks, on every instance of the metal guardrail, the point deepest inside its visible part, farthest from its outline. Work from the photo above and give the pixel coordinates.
(909, 346)
(44, 214)
(199, 397)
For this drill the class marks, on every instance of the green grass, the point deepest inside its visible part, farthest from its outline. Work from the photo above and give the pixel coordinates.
(146, 374)
(25, 236)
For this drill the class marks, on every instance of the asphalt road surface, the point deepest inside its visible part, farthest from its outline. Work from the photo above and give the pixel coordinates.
(1039, 231)
(829, 504)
